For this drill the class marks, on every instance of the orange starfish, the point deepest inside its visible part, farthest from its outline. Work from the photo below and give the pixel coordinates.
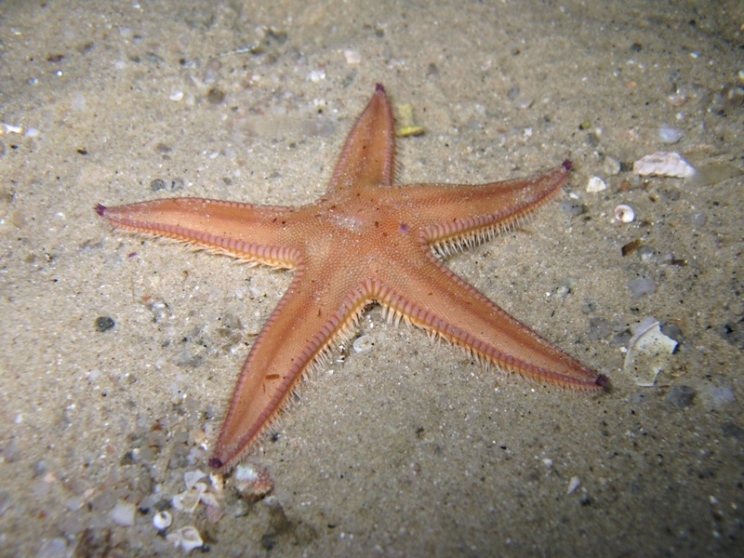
(364, 241)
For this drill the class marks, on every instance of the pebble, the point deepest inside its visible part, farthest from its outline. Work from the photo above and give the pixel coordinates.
(646, 253)
(104, 323)
(681, 396)
(599, 328)
(352, 56)
(316, 75)
(252, 483)
(611, 165)
(667, 134)
(123, 513)
(641, 286)
(572, 208)
(573, 484)
(11, 452)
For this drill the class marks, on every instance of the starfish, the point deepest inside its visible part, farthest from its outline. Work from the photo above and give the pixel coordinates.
(366, 240)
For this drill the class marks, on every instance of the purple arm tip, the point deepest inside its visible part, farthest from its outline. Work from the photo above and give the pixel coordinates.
(100, 209)
(379, 87)
(567, 164)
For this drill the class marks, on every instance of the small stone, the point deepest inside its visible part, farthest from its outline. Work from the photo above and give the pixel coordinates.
(104, 323)
(572, 208)
(216, 96)
(599, 328)
(573, 484)
(252, 483)
(104, 501)
(641, 286)
(611, 166)
(681, 396)
(157, 184)
(667, 134)
(123, 513)
(11, 452)
(352, 56)
(699, 220)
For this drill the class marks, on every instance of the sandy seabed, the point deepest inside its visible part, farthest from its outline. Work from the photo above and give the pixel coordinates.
(119, 354)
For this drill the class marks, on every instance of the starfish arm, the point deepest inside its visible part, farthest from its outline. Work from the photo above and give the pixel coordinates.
(367, 156)
(251, 232)
(308, 320)
(448, 213)
(436, 299)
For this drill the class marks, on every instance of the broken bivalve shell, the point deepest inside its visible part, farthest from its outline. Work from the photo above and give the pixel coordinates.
(187, 538)
(663, 163)
(648, 352)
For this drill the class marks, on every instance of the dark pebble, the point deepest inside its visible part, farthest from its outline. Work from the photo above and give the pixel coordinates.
(171, 185)
(681, 396)
(157, 184)
(216, 96)
(104, 323)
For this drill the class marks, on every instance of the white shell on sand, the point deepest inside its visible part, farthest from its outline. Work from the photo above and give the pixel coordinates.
(663, 163)
(648, 352)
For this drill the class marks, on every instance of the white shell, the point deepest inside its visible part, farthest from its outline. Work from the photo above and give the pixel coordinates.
(595, 185)
(189, 499)
(192, 477)
(162, 520)
(663, 163)
(187, 538)
(364, 343)
(648, 352)
(624, 213)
